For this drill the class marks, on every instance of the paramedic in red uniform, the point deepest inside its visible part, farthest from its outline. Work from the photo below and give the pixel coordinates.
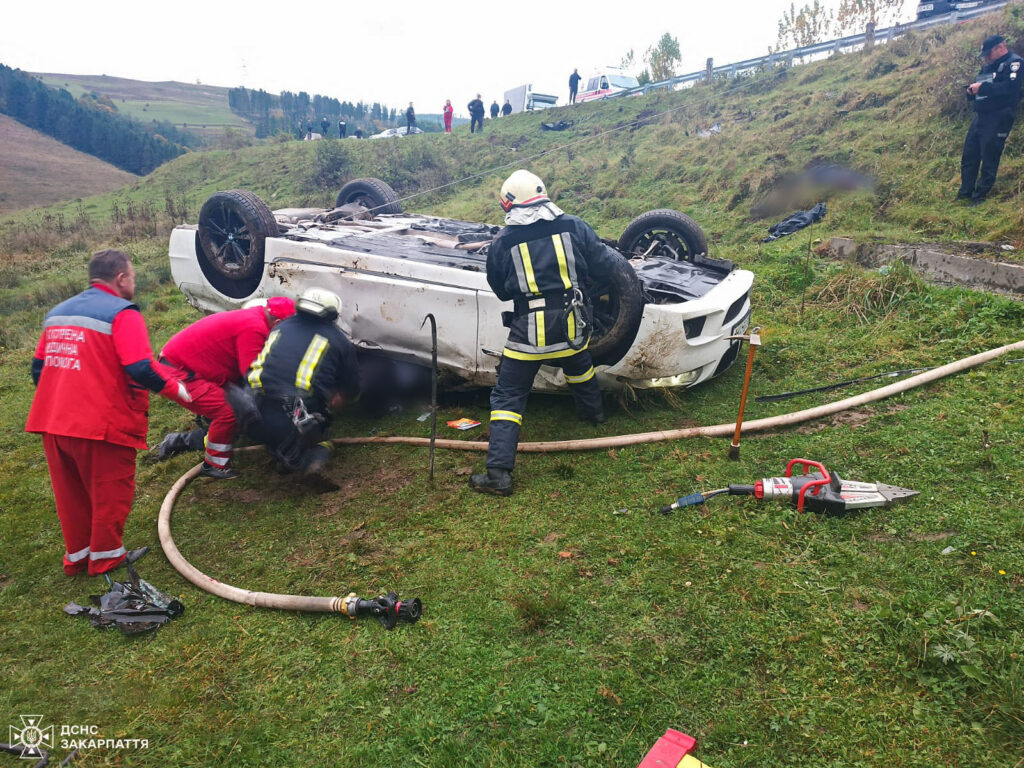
(210, 354)
(93, 371)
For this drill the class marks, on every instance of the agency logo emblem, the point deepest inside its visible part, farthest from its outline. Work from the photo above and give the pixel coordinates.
(31, 737)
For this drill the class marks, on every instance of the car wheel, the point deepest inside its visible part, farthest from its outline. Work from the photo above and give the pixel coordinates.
(617, 307)
(370, 193)
(233, 226)
(663, 233)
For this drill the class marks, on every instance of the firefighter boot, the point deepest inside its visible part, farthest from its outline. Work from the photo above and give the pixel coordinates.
(172, 444)
(316, 459)
(496, 481)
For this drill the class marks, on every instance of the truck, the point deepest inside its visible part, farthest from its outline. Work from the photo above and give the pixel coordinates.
(525, 99)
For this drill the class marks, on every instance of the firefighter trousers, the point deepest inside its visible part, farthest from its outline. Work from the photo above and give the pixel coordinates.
(93, 486)
(290, 447)
(983, 148)
(508, 400)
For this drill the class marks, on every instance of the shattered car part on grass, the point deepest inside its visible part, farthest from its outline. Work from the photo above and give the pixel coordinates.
(663, 320)
(134, 606)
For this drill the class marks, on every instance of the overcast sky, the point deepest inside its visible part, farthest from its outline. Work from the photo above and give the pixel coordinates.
(394, 51)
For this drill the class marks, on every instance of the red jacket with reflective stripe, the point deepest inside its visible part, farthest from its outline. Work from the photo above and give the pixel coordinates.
(83, 390)
(220, 347)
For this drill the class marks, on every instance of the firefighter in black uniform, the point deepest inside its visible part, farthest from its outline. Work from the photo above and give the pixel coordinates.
(307, 369)
(995, 95)
(539, 261)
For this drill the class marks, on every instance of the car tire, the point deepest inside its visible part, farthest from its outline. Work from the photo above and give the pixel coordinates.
(230, 243)
(664, 233)
(617, 307)
(370, 193)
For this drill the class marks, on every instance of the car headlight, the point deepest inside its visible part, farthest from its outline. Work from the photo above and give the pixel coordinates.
(679, 380)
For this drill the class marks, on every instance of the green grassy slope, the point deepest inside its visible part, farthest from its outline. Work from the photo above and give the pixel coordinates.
(199, 108)
(569, 625)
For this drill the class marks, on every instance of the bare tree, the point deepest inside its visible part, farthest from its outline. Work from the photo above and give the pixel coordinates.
(812, 24)
(628, 64)
(854, 15)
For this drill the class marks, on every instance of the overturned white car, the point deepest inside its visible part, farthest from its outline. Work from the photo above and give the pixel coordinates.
(663, 321)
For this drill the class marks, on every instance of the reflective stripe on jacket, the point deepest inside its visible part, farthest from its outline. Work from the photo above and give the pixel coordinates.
(540, 266)
(83, 390)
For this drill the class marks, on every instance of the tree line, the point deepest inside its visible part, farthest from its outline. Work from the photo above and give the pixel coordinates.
(272, 113)
(88, 125)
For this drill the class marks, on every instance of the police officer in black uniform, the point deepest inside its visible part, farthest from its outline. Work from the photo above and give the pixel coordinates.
(995, 95)
(307, 369)
(539, 261)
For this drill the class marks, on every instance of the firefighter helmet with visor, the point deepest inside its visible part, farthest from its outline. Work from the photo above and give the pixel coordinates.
(319, 302)
(522, 188)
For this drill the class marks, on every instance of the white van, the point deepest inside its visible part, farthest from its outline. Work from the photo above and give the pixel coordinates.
(605, 82)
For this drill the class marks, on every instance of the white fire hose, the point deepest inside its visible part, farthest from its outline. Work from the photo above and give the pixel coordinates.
(338, 604)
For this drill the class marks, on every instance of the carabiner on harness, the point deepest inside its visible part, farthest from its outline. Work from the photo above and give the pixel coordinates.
(578, 308)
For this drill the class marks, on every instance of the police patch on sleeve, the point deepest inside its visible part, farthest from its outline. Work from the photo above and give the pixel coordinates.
(1013, 70)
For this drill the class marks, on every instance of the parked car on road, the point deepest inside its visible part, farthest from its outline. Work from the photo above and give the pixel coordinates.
(391, 133)
(663, 320)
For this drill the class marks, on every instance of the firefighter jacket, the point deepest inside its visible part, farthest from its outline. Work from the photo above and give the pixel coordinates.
(1000, 85)
(540, 267)
(94, 366)
(220, 347)
(307, 357)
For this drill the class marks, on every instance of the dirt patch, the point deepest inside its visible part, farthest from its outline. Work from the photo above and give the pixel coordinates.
(939, 536)
(886, 537)
(859, 606)
(352, 481)
(5, 581)
(851, 419)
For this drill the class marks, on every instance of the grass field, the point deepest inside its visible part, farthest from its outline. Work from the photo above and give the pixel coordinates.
(186, 105)
(571, 624)
(39, 170)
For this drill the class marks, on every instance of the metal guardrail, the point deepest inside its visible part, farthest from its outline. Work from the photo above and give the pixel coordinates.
(831, 46)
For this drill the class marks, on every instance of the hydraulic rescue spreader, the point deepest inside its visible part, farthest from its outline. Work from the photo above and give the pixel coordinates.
(819, 491)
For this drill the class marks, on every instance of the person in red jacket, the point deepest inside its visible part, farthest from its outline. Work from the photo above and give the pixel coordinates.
(93, 370)
(212, 353)
(447, 113)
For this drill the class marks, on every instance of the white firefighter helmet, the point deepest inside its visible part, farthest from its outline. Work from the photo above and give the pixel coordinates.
(319, 302)
(522, 188)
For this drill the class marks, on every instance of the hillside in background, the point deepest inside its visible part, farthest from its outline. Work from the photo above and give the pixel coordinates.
(39, 171)
(571, 624)
(716, 151)
(201, 109)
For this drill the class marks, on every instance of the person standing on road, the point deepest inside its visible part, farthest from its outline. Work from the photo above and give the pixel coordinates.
(539, 261)
(410, 120)
(995, 95)
(447, 113)
(495, 109)
(209, 355)
(506, 108)
(574, 85)
(341, 129)
(93, 370)
(476, 114)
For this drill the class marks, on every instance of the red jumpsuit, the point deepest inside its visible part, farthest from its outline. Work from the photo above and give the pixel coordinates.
(209, 354)
(447, 114)
(94, 366)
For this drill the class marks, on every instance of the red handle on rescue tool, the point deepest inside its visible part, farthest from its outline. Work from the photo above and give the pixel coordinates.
(807, 464)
